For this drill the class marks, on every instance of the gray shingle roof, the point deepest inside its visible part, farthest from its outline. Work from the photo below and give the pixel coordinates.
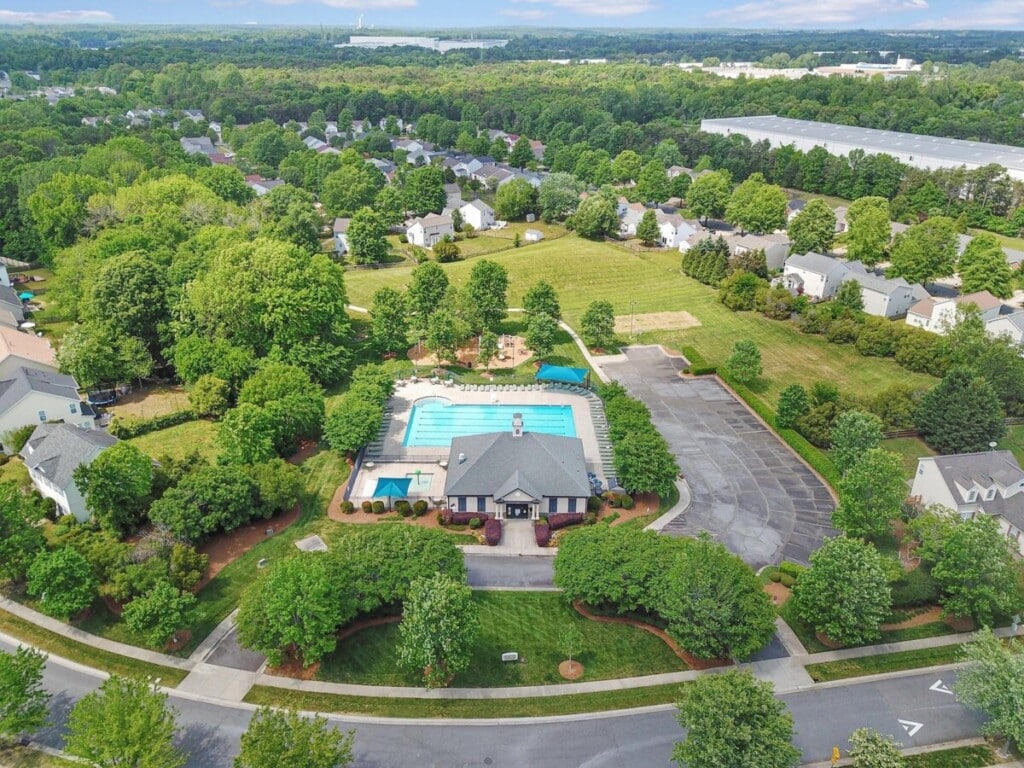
(57, 450)
(497, 464)
(815, 262)
(986, 469)
(9, 300)
(25, 380)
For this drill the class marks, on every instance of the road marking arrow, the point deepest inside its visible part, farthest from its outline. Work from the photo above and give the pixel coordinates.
(940, 688)
(910, 726)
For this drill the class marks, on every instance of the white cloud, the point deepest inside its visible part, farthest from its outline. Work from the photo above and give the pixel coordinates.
(367, 5)
(995, 14)
(598, 7)
(53, 17)
(524, 13)
(810, 13)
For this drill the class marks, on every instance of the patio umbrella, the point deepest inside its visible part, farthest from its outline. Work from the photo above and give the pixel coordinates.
(26, 295)
(392, 486)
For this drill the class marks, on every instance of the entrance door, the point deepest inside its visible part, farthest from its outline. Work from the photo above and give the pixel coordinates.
(517, 511)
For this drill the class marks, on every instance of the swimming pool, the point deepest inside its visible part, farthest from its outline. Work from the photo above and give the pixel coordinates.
(433, 422)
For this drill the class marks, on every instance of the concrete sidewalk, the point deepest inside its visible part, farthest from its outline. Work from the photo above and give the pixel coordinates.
(679, 508)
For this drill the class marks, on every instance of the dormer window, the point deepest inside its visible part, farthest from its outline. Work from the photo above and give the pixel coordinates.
(990, 494)
(972, 496)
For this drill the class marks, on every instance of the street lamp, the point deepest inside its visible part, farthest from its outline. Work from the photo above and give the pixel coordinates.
(992, 445)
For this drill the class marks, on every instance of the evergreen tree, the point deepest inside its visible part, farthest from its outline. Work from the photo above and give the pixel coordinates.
(961, 414)
(648, 230)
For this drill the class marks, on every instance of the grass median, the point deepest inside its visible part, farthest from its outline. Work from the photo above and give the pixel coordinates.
(87, 654)
(466, 708)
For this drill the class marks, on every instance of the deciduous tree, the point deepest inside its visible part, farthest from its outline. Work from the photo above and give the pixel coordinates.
(793, 404)
(159, 613)
(870, 749)
(868, 232)
(925, 251)
(20, 539)
(116, 486)
(389, 320)
(708, 195)
(993, 683)
(541, 298)
(439, 626)
(367, 237)
(652, 183)
(541, 334)
(275, 738)
(983, 267)
(487, 294)
(813, 229)
(733, 720)
(870, 493)
(845, 593)
(23, 701)
(63, 582)
(597, 325)
(125, 722)
(427, 290)
(744, 364)
(647, 230)
(352, 423)
(854, 433)
(595, 218)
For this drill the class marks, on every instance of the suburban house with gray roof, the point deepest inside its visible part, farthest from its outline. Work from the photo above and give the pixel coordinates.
(813, 275)
(775, 247)
(428, 230)
(1010, 326)
(969, 484)
(477, 213)
(517, 474)
(884, 297)
(53, 453)
(340, 230)
(31, 396)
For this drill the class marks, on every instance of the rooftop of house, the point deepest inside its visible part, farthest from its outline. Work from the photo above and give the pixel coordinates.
(480, 205)
(815, 262)
(870, 281)
(27, 346)
(984, 470)
(1016, 319)
(983, 300)
(341, 225)
(497, 463)
(433, 220)
(57, 450)
(25, 380)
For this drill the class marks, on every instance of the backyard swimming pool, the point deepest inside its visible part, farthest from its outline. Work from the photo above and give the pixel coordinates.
(433, 422)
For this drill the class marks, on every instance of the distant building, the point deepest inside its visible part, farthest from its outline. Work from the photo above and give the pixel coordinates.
(430, 43)
(917, 151)
(340, 229)
(19, 349)
(198, 145)
(815, 276)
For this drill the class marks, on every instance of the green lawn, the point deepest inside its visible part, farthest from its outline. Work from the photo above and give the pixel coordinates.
(86, 654)
(526, 622)
(975, 756)
(583, 271)
(180, 440)
(1014, 441)
(15, 471)
(465, 708)
(22, 757)
(910, 449)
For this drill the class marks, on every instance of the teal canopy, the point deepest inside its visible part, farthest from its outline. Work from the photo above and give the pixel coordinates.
(563, 374)
(392, 486)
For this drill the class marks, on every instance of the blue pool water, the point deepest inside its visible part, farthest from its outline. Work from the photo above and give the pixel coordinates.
(435, 421)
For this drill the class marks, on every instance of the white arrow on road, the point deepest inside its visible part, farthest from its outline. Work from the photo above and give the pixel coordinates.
(910, 726)
(940, 688)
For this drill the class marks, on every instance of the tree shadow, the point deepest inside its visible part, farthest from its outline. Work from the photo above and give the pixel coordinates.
(206, 745)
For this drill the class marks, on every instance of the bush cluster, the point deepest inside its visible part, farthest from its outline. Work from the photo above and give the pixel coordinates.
(642, 457)
(463, 518)
(564, 520)
(125, 429)
(542, 533)
(492, 532)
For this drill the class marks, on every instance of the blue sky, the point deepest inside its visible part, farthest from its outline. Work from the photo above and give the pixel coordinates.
(659, 14)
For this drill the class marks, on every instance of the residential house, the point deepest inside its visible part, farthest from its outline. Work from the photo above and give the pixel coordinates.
(430, 229)
(454, 196)
(675, 229)
(312, 142)
(884, 297)
(816, 276)
(384, 166)
(533, 236)
(197, 145)
(195, 115)
(341, 236)
(939, 314)
(418, 157)
(629, 218)
(841, 225)
(517, 474)
(9, 302)
(409, 145)
(972, 484)
(19, 349)
(493, 176)
(776, 247)
(794, 208)
(31, 396)
(53, 453)
(477, 213)
(1010, 326)
(538, 148)
(678, 170)
(359, 128)
(261, 186)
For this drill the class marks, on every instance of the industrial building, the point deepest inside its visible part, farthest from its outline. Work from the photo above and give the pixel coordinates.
(430, 43)
(928, 152)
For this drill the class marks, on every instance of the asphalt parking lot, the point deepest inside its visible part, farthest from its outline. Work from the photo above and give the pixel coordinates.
(750, 492)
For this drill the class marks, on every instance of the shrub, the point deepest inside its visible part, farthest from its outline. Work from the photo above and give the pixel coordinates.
(403, 507)
(4, 458)
(467, 518)
(775, 576)
(814, 320)
(542, 532)
(564, 520)
(594, 504)
(843, 331)
(476, 523)
(626, 501)
(403, 238)
(367, 506)
(17, 438)
(917, 587)
(786, 580)
(378, 507)
(441, 518)
(492, 532)
(125, 429)
(347, 507)
(590, 518)
(791, 569)
(420, 507)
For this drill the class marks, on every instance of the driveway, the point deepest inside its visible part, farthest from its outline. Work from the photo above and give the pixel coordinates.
(750, 492)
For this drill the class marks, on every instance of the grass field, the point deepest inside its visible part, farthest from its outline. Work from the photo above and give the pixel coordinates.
(910, 449)
(583, 271)
(1014, 441)
(526, 622)
(178, 441)
(974, 756)
(886, 662)
(466, 708)
(147, 402)
(22, 757)
(15, 471)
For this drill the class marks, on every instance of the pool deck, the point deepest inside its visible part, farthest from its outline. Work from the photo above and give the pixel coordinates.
(398, 460)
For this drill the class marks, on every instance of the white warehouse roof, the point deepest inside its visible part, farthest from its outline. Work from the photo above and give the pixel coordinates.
(909, 148)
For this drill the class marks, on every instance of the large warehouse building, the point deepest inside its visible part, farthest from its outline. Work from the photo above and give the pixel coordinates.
(918, 151)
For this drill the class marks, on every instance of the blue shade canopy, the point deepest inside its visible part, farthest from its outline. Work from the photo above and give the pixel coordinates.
(26, 295)
(392, 486)
(563, 374)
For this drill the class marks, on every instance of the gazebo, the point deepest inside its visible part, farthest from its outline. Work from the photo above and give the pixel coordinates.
(564, 375)
(392, 486)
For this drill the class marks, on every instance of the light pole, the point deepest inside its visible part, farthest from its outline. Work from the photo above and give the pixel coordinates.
(632, 308)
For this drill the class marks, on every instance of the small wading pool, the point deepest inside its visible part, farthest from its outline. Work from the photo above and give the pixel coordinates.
(434, 421)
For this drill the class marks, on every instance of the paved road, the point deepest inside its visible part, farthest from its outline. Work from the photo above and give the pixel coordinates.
(749, 491)
(824, 717)
(522, 572)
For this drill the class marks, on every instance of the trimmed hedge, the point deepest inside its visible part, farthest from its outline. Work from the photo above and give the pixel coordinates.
(564, 519)
(542, 532)
(464, 518)
(125, 429)
(698, 365)
(492, 532)
(420, 508)
(347, 507)
(791, 569)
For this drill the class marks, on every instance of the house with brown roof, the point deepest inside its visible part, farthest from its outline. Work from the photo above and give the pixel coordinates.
(938, 315)
(19, 349)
